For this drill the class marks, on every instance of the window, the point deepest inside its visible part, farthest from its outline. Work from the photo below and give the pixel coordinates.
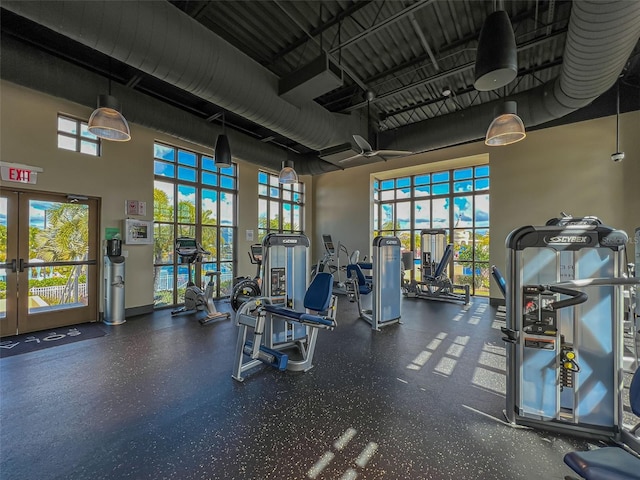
(192, 198)
(74, 135)
(454, 200)
(280, 207)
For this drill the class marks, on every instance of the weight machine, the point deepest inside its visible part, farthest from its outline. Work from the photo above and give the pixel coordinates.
(283, 323)
(386, 283)
(565, 355)
(434, 261)
(330, 262)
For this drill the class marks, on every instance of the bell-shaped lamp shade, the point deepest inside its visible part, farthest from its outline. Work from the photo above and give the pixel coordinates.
(287, 175)
(223, 151)
(506, 128)
(107, 122)
(497, 57)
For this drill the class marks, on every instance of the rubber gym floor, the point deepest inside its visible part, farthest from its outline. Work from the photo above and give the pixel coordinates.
(154, 399)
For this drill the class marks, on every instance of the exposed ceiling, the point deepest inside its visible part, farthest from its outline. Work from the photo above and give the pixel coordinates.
(402, 62)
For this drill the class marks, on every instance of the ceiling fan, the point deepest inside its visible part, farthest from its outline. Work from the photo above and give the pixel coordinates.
(366, 151)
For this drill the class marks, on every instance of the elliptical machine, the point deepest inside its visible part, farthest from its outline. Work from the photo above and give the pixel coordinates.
(195, 298)
(247, 288)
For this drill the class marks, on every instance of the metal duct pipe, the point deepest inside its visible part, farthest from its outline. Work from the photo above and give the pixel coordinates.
(161, 40)
(37, 70)
(600, 39)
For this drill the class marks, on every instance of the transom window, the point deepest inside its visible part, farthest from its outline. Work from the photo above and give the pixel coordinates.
(74, 135)
(192, 197)
(454, 200)
(280, 207)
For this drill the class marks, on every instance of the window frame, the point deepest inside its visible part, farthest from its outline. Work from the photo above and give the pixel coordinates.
(180, 170)
(274, 195)
(77, 136)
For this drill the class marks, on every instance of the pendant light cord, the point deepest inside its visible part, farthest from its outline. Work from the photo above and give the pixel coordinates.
(618, 117)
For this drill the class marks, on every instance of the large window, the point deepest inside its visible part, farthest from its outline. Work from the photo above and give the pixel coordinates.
(280, 207)
(192, 198)
(454, 200)
(74, 135)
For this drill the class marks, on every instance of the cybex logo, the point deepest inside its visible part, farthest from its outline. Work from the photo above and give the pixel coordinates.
(289, 240)
(568, 239)
(392, 242)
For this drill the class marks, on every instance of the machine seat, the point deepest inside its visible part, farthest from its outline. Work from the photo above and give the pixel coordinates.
(354, 271)
(317, 299)
(610, 463)
(444, 261)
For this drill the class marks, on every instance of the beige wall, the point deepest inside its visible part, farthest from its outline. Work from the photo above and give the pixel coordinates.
(566, 168)
(123, 172)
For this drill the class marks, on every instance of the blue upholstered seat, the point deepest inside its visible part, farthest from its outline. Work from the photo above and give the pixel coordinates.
(609, 463)
(317, 298)
(354, 271)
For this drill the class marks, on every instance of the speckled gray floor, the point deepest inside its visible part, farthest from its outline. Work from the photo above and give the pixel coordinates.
(154, 399)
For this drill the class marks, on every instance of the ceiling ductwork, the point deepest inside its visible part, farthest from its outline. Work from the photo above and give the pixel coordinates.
(39, 71)
(601, 37)
(162, 41)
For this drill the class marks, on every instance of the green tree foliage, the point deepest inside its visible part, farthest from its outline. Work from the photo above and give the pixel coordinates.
(67, 235)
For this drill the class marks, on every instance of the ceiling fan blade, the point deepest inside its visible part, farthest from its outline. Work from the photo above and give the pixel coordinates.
(349, 159)
(392, 153)
(362, 143)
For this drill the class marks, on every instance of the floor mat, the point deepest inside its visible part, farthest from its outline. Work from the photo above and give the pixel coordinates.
(30, 342)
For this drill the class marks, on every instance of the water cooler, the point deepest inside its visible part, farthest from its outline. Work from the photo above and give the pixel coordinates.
(114, 283)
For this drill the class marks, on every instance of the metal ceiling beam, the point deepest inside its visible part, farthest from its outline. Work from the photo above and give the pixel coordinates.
(521, 73)
(446, 74)
(346, 69)
(385, 23)
(423, 41)
(318, 30)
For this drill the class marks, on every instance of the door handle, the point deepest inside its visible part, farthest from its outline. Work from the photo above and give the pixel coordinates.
(21, 265)
(13, 265)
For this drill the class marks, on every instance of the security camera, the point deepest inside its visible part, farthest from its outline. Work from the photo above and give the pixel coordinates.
(617, 157)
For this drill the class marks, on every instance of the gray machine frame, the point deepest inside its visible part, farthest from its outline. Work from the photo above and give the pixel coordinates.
(565, 366)
(284, 283)
(386, 287)
(435, 283)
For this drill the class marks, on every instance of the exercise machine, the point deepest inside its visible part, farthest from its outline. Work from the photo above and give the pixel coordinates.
(280, 327)
(386, 284)
(618, 462)
(195, 299)
(247, 288)
(565, 355)
(434, 283)
(330, 262)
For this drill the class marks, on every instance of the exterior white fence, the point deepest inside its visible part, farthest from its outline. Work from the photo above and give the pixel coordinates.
(57, 291)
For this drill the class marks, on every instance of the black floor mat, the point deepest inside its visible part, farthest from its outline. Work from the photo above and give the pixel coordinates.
(30, 342)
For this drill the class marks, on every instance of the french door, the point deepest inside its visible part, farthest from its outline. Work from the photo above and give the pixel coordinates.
(48, 260)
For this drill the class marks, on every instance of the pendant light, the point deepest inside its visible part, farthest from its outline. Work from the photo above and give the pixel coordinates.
(287, 175)
(507, 127)
(107, 122)
(222, 157)
(618, 156)
(496, 57)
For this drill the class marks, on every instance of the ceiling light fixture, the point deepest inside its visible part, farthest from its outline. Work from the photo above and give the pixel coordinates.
(107, 122)
(507, 127)
(287, 175)
(222, 157)
(496, 57)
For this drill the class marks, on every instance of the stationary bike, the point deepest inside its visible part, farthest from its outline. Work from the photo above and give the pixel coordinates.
(247, 288)
(195, 299)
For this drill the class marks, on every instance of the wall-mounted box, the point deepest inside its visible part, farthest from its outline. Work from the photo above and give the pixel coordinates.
(138, 232)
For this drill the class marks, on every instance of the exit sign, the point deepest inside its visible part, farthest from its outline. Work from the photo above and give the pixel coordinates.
(19, 173)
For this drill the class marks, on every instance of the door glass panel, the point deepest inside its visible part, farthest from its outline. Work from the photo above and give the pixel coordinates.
(58, 232)
(3, 257)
